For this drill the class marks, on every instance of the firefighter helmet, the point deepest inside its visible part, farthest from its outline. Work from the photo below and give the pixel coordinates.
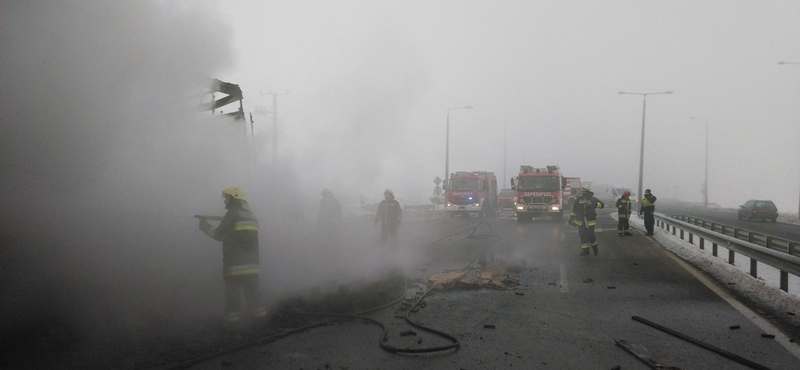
(235, 192)
(327, 192)
(586, 187)
(388, 191)
(626, 193)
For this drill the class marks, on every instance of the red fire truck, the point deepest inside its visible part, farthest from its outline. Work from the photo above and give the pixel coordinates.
(540, 192)
(471, 192)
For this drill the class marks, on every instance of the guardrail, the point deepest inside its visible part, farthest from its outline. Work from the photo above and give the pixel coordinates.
(781, 254)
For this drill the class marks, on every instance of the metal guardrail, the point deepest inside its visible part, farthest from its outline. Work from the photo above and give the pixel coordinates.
(781, 254)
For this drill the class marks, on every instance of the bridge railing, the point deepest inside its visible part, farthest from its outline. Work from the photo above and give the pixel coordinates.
(781, 254)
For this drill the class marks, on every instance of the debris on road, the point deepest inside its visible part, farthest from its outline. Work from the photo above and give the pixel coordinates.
(492, 277)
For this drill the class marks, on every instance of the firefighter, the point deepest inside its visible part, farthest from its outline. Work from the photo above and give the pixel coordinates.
(238, 232)
(329, 217)
(389, 214)
(648, 207)
(624, 214)
(583, 216)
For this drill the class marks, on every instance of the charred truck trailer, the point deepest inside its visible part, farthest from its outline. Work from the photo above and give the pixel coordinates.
(541, 192)
(471, 192)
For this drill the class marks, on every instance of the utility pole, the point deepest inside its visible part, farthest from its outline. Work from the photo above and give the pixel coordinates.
(274, 123)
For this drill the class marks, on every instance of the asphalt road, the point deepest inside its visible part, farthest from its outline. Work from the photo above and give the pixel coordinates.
(780, 229)
(566, 313)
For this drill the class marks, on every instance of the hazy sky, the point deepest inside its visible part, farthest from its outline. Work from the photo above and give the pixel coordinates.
(370, 82)
(94, 95)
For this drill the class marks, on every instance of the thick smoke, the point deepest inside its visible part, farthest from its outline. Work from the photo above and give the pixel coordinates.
(105, 159)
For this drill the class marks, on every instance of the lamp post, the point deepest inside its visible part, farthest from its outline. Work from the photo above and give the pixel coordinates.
(705, 181)
(798, 204)
(447, 144)
(505, 141)
(641, 148)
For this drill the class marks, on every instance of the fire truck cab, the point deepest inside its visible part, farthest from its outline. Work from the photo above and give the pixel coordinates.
(471, 192)
(540, 192)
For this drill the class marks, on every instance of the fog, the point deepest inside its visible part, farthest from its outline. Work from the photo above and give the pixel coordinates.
(105, 156)
(381, 75)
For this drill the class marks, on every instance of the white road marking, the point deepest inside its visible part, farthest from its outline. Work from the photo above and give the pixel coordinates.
(748, 313)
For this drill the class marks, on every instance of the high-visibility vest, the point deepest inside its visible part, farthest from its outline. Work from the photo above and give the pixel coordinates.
(648, 201)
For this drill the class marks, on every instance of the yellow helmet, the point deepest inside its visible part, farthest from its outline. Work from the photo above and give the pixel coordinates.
(586, 187)
(388, 191)
(235, 192)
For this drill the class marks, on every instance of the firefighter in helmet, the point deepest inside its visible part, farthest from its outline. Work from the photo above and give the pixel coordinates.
(238, 232)
(624, 214)
(584, 216)
(389, 215)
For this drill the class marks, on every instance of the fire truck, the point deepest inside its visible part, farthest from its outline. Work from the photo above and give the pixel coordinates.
(471, 192)
(540, 192)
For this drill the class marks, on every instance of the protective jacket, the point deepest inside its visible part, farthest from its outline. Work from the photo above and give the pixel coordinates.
(648, 203)
(389, 212)
(238, 233)
(584, 210)
(624, 207)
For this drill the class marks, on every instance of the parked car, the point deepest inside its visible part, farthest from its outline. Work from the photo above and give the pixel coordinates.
(505, 199)
(761, 209)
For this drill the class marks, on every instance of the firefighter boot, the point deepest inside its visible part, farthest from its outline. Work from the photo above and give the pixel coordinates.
(584, 251)
(594, 249)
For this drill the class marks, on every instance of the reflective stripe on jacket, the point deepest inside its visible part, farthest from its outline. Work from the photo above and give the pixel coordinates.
(585, 208)
(623, 208)
(238, 233)
(389, 212)
(648, 202)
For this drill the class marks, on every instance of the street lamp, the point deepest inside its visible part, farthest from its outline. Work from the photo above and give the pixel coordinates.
(705, 182)
(641, 149)
(505, 141)
(798, 204)
(447, 144)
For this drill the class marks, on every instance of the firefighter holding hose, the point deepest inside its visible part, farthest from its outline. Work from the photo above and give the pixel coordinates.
(238, 232)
